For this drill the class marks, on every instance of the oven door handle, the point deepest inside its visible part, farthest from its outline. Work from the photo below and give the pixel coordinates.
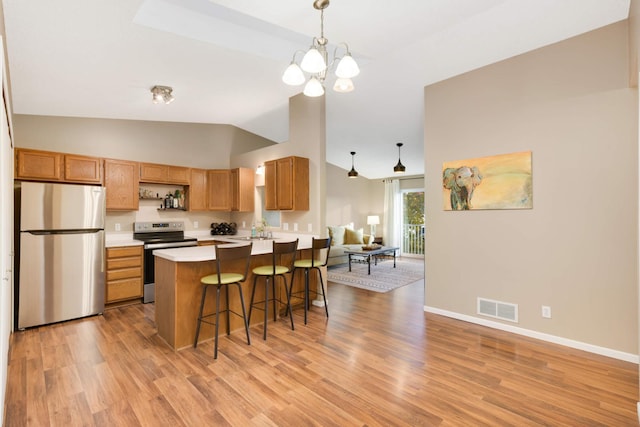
(170, 245)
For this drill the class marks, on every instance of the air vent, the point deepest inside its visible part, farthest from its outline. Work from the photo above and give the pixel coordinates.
(498, 310)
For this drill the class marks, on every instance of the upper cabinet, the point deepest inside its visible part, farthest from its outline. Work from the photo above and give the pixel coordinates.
(242, 190)
(121, 179)
(287, 184)
(197, 190)
(219, 189)
(164, 174)
(82, 169)
(39, 165)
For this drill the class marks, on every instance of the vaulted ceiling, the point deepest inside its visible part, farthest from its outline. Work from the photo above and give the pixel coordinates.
(225, 58)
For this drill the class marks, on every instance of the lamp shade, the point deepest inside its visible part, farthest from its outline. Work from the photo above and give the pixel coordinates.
(313, 88)
(293, 75)
(312, 61)
(347, 67)
(343, 85)
(373, 220)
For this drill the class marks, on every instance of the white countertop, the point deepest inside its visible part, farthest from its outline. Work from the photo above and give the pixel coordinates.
(208, 253)
(113, 240)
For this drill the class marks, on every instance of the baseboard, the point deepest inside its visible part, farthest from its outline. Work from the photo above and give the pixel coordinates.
(603, 351)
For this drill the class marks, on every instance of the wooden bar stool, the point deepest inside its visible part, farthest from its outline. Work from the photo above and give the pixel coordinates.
(283, 257)
(319, 257)
(227, 259)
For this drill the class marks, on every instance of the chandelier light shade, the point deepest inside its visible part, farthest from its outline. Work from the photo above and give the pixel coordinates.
(316, 64)
(399, 168)
(352, 173)
(162, 94)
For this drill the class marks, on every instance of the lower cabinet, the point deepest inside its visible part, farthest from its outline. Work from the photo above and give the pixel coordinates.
(124, 274)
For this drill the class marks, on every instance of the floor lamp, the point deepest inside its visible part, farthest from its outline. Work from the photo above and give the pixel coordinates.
(373, 220)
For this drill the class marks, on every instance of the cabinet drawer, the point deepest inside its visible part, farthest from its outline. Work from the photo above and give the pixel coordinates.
(124, 252)
(124, 273)
(124, 289)
(116, 263)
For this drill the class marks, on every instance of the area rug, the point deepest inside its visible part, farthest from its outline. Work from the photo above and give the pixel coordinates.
(383, 278)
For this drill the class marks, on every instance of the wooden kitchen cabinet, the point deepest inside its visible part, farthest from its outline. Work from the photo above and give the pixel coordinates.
(242, 190)
(219, 189)
(82, 169)
(164, 174)
(121, 180)
(38, 165)
(287, 184)
(270, 186)
(124, 274)
(197, 191)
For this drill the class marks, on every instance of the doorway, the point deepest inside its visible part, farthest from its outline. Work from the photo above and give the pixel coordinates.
(412, 236)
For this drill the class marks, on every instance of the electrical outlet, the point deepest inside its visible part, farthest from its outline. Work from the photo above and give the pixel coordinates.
(195, 224)
(546, 312)
(244, 224)
(285, 226)
(295, 226)
(309, 227)
(117, 226)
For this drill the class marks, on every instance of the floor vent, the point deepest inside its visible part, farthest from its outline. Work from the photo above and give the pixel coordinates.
(498, 310)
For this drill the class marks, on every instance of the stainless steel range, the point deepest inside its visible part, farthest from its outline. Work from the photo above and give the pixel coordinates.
(158, 235)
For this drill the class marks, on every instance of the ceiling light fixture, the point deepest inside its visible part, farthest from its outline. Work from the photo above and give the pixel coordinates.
(315, 62)
(399, 168)
(352, 173)
(162, 94)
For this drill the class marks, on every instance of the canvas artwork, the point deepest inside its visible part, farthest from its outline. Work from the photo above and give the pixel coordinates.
(494, 182)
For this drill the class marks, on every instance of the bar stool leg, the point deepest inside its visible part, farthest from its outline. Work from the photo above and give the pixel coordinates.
(253, 293)
(244, 314)
(215, 350)
(266, 308)
(306, 293)
(324, 298)
(286, 291)
(204, 295)
(227, 298)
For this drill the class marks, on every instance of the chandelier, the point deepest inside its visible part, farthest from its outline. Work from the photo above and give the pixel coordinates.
(315, 63)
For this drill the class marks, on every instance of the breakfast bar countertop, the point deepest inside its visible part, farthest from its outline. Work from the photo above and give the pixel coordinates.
(208, 253)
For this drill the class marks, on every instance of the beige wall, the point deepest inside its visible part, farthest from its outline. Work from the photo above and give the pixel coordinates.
(307, 129)
(351, 200)
(576, 250)
(181, 144)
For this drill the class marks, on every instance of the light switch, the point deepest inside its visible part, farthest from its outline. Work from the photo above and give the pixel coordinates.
(195, 224)
(285, 226)
(117, 226)
(295, 226)
(309, 227)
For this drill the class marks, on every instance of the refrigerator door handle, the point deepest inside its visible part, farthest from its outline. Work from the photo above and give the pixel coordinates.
(52, 232)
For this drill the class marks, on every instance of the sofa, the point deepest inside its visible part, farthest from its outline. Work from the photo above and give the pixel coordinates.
(345, 238)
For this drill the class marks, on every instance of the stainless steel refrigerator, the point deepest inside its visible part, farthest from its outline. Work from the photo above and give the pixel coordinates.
(61, 274)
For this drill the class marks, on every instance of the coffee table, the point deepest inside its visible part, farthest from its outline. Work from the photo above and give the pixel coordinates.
(365, 256)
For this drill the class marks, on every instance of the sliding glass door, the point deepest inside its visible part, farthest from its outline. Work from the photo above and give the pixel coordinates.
(412, 238)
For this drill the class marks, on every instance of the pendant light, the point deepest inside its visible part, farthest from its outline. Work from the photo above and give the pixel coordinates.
(352, 173)
(399, 168)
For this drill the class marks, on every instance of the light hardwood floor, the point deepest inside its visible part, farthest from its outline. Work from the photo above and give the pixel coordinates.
(378, 360)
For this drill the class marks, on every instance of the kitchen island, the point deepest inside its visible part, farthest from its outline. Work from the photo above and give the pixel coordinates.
(178, 289)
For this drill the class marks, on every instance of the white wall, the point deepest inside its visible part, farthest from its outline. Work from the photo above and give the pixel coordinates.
(576, 250)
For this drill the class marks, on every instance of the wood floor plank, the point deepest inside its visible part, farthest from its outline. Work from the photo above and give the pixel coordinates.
(379, 360)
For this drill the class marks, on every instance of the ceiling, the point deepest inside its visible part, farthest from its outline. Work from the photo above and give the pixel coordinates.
(225, 58)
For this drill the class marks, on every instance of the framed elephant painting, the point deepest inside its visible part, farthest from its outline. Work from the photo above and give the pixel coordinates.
(496, 182)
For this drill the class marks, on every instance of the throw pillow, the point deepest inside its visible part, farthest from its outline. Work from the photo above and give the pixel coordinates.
(353, 237)
(337, 235)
